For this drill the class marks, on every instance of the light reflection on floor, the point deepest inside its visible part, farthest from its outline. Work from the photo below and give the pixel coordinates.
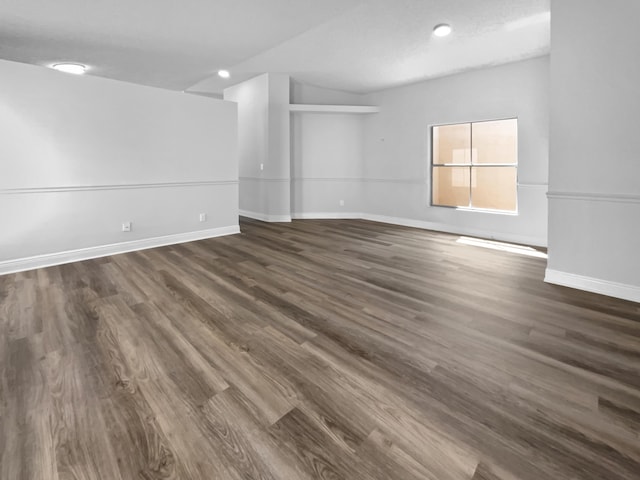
(505, 247)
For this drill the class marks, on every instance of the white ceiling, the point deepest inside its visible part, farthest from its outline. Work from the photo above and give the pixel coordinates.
(352, 45)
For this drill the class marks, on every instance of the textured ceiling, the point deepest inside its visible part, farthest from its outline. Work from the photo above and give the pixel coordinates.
(353, 45)
(164, 43)
(384, 43)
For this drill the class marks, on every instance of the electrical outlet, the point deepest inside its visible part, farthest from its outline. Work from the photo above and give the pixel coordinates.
(126, 227)
(342, 203)
(203, 217)
(262, 166)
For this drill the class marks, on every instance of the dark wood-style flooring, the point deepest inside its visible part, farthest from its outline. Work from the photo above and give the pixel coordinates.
(315, 350)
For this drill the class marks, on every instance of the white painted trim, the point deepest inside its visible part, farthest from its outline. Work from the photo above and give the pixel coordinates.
(408, 222)
(265, 217)
(127, 186)
(404, 181)
(595, 197)
(409, 181)
(358, 109)
(50, 259)
(594, 285)
(533, 185)
(327, 179)
(326, 216)
(472, 232)
(269, 180)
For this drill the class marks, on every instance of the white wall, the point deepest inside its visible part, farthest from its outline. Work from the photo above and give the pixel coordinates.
(397, 150)
(279, 164)
(81, 155)
(263, 135)
(310, 94)
(594, 222)
(326, 165)
(326, 155)
(252, 99)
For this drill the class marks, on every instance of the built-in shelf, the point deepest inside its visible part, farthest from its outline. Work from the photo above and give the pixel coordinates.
(359, 109)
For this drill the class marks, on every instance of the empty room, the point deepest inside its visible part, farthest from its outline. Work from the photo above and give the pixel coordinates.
(338, 239)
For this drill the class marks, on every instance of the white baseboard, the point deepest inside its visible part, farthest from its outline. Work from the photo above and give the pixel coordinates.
(594, 285)
(408, 222)
(265, 217)
(472, 232)
(50, 259)
(326, 215)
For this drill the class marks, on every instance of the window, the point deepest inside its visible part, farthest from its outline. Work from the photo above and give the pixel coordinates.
(475, 165)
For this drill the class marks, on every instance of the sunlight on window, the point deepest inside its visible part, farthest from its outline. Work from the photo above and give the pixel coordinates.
(475, 165)
(505, 247)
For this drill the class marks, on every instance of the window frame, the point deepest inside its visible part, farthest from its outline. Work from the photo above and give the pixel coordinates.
(471, 165)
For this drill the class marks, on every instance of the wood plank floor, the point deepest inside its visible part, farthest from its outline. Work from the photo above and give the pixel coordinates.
(315, 350)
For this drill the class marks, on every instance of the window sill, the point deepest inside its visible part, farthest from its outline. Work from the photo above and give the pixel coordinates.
(479, 210)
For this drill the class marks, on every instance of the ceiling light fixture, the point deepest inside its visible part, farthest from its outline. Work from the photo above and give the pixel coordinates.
(442, 30)
(224, 73)
(74, 68)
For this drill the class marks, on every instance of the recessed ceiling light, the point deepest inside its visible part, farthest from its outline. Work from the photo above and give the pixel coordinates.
(74, 68)
(224, 73)
(442, 30)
